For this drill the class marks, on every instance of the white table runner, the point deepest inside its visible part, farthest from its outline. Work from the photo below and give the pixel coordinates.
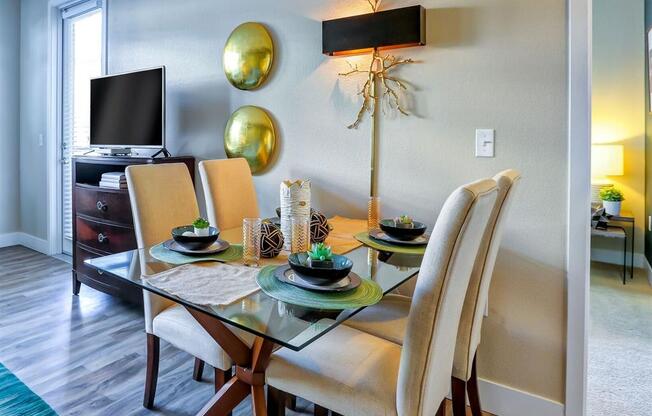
(212, 284)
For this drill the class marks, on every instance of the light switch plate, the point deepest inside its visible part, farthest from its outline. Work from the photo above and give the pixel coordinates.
(484, 142)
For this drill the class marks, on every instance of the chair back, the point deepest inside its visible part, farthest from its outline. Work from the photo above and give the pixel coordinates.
(429, 343)
(162, 197)
(229, 191)
(469, 332)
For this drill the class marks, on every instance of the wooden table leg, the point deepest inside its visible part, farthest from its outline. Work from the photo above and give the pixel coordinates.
(250, 365)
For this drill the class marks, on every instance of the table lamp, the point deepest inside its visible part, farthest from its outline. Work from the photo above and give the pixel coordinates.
(606, 160)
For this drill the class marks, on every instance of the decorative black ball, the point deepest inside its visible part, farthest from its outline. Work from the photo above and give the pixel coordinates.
(319, 228)
(271, 240)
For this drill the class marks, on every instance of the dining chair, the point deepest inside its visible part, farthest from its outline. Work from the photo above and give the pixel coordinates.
(163, 197)
(355, 373)
(388, 318)
(229, 191)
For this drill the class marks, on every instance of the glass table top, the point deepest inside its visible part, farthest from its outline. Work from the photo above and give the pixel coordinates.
(288, 325)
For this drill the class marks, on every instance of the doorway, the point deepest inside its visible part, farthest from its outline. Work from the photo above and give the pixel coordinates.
(81, 60)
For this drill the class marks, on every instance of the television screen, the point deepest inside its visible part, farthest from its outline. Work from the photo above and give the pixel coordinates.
(128, 110)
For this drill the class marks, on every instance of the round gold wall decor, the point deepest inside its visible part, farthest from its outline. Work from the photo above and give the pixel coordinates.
(248, 56)
(250, 134)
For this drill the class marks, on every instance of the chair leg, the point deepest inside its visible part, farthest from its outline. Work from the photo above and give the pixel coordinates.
(320, 411)
(221, 378)
(472, 390)
(442, 408)
(198, 371)
(275, 402)
(625, 261)
(76, 284)
(151, 376)
(459, 396)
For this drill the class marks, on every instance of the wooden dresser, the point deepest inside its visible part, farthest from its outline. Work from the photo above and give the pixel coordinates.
(102, 220)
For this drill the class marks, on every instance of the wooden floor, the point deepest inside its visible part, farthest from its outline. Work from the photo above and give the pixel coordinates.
(86, 355)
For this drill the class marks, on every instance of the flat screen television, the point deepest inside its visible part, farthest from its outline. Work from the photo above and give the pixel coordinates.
(128, 110)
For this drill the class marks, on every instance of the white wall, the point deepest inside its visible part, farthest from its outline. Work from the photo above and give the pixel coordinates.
(33, 117)
(488, 64)
(618, 101)
(9, 115)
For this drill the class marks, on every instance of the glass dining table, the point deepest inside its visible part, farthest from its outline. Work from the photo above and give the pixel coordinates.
(274, 323)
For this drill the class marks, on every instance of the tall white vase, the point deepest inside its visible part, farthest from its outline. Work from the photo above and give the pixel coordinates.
(295, 203)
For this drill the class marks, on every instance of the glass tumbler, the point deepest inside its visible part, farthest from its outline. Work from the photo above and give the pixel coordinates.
(300, 234)
(251, 241)
(373, 213)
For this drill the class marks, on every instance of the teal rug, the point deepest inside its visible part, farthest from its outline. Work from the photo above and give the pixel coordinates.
(16, 399)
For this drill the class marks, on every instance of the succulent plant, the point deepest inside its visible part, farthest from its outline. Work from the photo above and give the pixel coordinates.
(404, 221)
(201, 223)
(320, 252)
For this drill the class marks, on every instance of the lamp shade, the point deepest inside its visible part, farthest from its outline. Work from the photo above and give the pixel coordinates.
(607, 160)
(381, 30)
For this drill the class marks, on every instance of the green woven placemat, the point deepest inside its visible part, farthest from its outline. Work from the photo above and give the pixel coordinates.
(368, 293)
(160, 253)
(383, 246)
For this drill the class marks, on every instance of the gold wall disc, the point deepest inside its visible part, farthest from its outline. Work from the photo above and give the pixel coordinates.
(248, 56)
(250, 134)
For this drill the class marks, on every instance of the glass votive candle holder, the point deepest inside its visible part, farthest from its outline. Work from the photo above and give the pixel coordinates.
(300, 234)
(373, 213)
(251, 241)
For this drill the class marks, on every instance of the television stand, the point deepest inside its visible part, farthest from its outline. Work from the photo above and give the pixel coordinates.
(164, 151)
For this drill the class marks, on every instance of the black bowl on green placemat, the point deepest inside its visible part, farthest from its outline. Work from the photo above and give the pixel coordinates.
(194, 242)
(402, 231)
(341, 267)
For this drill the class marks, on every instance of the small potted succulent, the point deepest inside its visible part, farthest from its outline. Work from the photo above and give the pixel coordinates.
(320, 255)
(202, 227)
(611, 200)
(403, 221)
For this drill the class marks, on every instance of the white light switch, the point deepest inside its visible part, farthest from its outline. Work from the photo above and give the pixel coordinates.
(484, 143)
(40, 140)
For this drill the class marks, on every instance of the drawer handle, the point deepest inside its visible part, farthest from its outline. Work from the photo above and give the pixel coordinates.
(101, 206)
(101, 238)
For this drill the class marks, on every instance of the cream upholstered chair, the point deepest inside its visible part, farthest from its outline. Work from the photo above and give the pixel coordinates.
(388, 319)
(229, 191)
(163, 197)
(355, 373)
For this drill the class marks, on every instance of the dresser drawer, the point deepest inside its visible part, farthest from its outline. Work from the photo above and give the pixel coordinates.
(102, 281)
(104, 204)
(105, 237)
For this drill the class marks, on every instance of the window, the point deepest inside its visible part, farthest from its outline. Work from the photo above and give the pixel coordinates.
(82, 60)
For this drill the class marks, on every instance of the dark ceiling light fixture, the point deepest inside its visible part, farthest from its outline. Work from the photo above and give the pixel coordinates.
(372, 33)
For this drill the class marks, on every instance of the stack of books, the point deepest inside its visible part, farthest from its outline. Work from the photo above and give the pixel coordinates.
(114, 180)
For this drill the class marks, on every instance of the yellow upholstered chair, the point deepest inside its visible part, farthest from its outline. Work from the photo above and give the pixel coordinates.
(388, 319)
(229, 191)
(355, 373)
(163, 197)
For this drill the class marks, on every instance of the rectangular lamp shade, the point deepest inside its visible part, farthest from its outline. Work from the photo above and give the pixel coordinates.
(388, 29)
(607, 160)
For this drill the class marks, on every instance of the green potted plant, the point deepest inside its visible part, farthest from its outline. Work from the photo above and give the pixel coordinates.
(201, 227)
(611, 200)
(404, 221)
(321, 256)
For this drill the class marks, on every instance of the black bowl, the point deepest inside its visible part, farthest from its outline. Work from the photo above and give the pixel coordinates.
(402, 232)
(299, 262)
(195, 242)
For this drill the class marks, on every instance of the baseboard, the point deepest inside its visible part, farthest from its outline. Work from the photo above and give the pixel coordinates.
(648, 271)
(502, 400)
(23, 239)
(9, 239)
